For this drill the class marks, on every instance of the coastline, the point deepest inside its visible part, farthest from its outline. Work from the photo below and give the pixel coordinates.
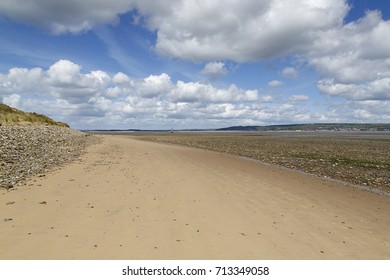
(356, 159)
(130, 199)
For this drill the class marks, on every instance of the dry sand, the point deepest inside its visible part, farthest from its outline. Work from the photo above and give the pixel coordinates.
(129, 199)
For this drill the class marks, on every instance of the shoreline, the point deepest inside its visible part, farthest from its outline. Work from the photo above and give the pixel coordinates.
(355, 160)
(337, 181)
(131, 199)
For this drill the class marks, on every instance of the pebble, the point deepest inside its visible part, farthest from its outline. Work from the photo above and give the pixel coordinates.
(28, 150)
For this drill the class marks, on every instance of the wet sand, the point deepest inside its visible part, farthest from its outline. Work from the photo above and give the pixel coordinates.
(130, 199)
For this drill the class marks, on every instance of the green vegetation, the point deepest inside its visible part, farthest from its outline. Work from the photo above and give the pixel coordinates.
(12, 116)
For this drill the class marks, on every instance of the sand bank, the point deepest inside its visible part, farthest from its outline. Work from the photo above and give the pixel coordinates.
(130, 199)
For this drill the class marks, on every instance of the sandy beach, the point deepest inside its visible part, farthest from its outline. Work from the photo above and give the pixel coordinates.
(131, 199)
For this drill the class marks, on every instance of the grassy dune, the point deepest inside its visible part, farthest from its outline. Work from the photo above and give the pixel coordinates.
(12, 116)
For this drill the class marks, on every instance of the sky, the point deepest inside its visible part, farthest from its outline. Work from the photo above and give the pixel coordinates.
(187, 64)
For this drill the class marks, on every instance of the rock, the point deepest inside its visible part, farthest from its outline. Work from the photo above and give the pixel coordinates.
(28, 150)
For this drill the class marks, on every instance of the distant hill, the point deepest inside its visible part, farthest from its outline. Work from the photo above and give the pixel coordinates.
(313, 127)
(12, 116)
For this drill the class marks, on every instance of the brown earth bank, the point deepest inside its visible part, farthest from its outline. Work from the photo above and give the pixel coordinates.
(131, 199)
(360, 159)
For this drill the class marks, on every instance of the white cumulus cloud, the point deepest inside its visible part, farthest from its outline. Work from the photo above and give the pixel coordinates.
(354, 55)
(237, 30)
(199, 92)
(275, 83)
(122, 79)
(154, 85)
(65, 92)
(214, 70)
(65, 80)
(96, 99)
(12, 100)
(290, 72)
(376, 90)
(354, 60)
(299, 98)
(65, 16)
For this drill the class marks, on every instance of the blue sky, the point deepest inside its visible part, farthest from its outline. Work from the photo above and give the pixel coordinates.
(196, 64)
